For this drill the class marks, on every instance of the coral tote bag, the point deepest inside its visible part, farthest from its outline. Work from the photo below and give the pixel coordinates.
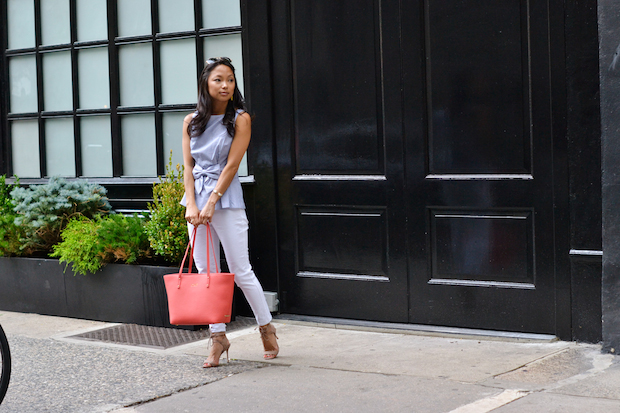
(199, 299)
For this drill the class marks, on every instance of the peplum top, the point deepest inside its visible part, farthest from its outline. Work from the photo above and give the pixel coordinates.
(210, 152)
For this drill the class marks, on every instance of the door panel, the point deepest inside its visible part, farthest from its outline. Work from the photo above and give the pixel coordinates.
(342, 243)
(482, 248)
(478, 86)
(342, 251)
(337, 99)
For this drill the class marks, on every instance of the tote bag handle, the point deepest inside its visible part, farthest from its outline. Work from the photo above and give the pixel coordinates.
(191, 255)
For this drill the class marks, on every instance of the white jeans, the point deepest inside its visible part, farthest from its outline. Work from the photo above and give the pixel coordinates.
(230, 227)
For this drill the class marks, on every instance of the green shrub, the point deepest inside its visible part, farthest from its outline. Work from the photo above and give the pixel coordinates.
(44, 210)
(10, 233)
(90, 244)
(167, 227)
(123, 239)
(79, 246)
(6, 202)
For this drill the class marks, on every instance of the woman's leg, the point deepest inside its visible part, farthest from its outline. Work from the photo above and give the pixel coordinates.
(231, 226)
(200, 259)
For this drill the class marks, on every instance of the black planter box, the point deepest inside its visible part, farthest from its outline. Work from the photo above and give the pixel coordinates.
(117, 293)
(32, 285)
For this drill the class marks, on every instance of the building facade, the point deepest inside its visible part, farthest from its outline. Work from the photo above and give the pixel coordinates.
(434, 163)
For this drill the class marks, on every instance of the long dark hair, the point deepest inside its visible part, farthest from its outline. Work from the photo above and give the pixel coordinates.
(204, 108)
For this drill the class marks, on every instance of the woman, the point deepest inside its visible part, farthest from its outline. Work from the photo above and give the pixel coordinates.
(215, 138)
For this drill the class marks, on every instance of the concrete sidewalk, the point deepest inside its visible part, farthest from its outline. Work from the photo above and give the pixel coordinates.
(321, 367)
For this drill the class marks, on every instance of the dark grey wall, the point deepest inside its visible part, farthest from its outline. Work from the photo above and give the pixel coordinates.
(583, 132)
(609, 43)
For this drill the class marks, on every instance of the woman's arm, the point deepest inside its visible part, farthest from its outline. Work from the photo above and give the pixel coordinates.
(240, 143)
(192, 212)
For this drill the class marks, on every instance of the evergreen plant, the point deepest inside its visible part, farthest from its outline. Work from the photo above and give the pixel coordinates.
(89, 244)
(44, 210)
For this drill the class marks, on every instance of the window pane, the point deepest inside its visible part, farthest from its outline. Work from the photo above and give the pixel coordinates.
(92, 20)
(178, 71)
(220, 13)
(23, 78)
(228, 45)
(243, 166)
(139, 151)
(176, 16)
(55, 28)
(59, 147)
(57, 84)
(96, 145)
(134, 17)
(136, 74)
(93, 79)
(25, 145)
(21, 23)
(173, 137)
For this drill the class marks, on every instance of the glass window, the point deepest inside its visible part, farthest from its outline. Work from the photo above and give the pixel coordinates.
(147, 75)
(92, 20)
(25, 148)
(23, 79)
(178, 71)
(57, 89)
(243, 166)
(55, 26)
(134, 17)
(136, 74)
(59, 147)
(228, 45)
(139, 151)
(96, 145)
(173, 136)
(21, 23)
(176, 16)
(220, 13)
(93, 78)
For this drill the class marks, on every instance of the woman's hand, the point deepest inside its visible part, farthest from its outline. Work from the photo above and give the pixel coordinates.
(192, 214)
(206, 215)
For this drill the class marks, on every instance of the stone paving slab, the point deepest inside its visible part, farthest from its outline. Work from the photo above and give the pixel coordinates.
(463, 360)
(279, 389)
(43, 326)
(559, 366)
(602, 381)
(557, 403)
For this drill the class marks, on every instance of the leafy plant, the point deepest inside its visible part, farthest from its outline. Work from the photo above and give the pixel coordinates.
(90, 244)
(10, 233)
(6, 202)
(79, 246)
(44, 210)
(167, 228)
(123, 239)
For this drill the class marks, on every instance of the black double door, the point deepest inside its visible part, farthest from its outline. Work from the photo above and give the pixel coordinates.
(415, 164)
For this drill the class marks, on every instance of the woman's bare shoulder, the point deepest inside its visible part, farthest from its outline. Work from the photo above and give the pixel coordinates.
(188, 118)
(244, 118)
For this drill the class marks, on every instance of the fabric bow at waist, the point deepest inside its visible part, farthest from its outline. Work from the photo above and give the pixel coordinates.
(200, 174)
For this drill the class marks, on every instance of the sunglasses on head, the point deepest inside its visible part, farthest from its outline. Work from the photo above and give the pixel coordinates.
(212, 60)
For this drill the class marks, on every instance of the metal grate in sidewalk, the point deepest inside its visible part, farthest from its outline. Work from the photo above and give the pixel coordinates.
(154, 337)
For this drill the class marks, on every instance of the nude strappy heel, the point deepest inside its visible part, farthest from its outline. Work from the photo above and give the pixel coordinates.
(219, 344)
(270, 343)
